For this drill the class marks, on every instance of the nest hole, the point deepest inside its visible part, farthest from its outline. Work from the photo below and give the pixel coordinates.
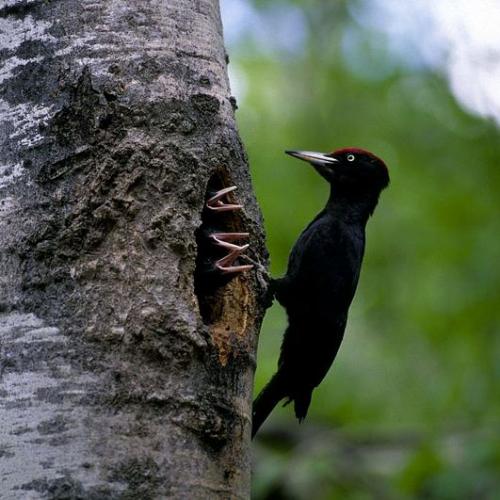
(209, 282)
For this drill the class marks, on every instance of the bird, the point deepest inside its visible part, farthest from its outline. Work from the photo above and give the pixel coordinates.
(321, 278)
(218, 249)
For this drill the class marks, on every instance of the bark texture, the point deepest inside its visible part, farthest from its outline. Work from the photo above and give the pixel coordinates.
(115, 116)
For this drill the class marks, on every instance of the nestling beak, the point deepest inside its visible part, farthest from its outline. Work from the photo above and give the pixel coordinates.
(312, 157)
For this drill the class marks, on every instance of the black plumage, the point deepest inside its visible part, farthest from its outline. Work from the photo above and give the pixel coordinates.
(321, 279)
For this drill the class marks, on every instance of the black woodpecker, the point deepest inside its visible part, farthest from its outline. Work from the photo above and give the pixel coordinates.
(322, 275)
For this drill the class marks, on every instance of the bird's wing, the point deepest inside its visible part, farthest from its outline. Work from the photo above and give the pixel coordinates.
(313, 245)
(326, 267)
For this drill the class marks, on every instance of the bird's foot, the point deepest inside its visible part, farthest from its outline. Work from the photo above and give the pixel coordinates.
(266, 281)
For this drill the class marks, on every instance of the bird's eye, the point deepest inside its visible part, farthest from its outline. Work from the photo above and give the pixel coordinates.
(350, 158)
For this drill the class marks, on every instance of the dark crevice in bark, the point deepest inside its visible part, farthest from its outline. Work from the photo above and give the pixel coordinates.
(20, 9)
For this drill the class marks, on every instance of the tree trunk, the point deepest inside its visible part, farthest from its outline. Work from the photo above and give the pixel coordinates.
(115, 119)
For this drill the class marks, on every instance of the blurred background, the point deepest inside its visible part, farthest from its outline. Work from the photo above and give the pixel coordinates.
(411, 407)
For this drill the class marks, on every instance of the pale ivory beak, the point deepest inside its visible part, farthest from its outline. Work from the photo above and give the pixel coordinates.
(312, 156)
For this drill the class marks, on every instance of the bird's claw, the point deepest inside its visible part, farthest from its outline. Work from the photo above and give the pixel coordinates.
(219, 202)
(226, 263)
(266, 282)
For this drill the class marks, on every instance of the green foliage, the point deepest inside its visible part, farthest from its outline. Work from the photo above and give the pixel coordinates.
(411, 408)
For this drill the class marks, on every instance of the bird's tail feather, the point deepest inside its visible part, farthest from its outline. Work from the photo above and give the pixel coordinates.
(265, 402)
(301, 404)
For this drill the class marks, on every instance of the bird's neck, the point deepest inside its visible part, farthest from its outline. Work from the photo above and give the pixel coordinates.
(352, 208)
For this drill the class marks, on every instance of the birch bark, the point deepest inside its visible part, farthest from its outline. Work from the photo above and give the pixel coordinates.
(114, 118)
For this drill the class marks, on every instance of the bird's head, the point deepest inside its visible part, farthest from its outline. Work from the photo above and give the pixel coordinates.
(349, 170)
